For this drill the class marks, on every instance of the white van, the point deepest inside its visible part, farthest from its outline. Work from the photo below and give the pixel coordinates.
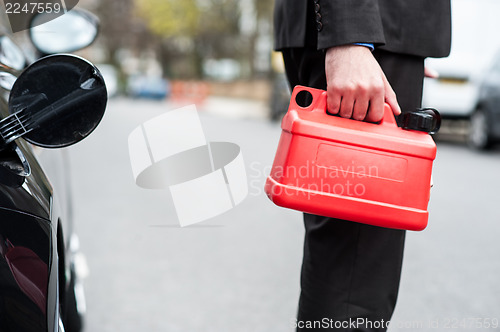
(469, 79)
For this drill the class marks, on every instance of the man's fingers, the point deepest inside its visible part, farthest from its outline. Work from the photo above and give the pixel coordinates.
(376, 109)
(357, 86)
(346, 106)
(390, 98)
(360, 109)
(431, 72)
(333, 100)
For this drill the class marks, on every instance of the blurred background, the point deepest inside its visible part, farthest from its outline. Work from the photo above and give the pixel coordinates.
(191, 51)
(186, 49)
(240, 271)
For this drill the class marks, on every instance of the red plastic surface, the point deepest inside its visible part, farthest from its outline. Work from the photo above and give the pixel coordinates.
(377, 174)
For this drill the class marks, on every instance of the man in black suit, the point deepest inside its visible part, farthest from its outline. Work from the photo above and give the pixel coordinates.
(363, 53)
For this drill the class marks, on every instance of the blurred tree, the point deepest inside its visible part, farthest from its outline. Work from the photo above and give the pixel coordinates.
(264, 18)
(185, 33)
(192, 30)
(264, 8)
(170, 18)
(120, 29)
(218, 29)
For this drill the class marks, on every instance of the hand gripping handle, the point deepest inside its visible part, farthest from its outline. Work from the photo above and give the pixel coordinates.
(315, 100)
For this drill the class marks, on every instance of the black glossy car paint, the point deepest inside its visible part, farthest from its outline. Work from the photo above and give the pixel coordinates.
(29, 217)
(36, 267)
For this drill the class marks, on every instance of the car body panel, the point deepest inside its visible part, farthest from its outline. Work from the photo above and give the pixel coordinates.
(489, 99)
(454, 97)
(29, 217)
(35, 258)
(28, 275)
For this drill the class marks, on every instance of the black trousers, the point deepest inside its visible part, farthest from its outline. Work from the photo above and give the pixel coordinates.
(350, 271)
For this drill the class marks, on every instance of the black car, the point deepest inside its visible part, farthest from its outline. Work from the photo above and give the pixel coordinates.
(54, 102)
(485, 120)
(467, 90)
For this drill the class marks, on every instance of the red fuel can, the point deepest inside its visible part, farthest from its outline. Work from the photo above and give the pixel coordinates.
(377, 174)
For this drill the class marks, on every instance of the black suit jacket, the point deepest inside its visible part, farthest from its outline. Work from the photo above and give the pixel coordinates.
(416, 27)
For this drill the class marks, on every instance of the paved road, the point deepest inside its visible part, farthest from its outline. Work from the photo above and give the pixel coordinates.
(240, 271)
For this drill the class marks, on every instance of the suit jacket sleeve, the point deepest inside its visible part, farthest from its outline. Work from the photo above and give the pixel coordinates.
(416, 27)
(341, 22)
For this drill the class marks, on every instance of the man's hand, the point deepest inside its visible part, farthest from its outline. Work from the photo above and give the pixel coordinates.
(357, 86)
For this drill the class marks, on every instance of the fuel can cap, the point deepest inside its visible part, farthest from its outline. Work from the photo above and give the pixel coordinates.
(424, 119)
